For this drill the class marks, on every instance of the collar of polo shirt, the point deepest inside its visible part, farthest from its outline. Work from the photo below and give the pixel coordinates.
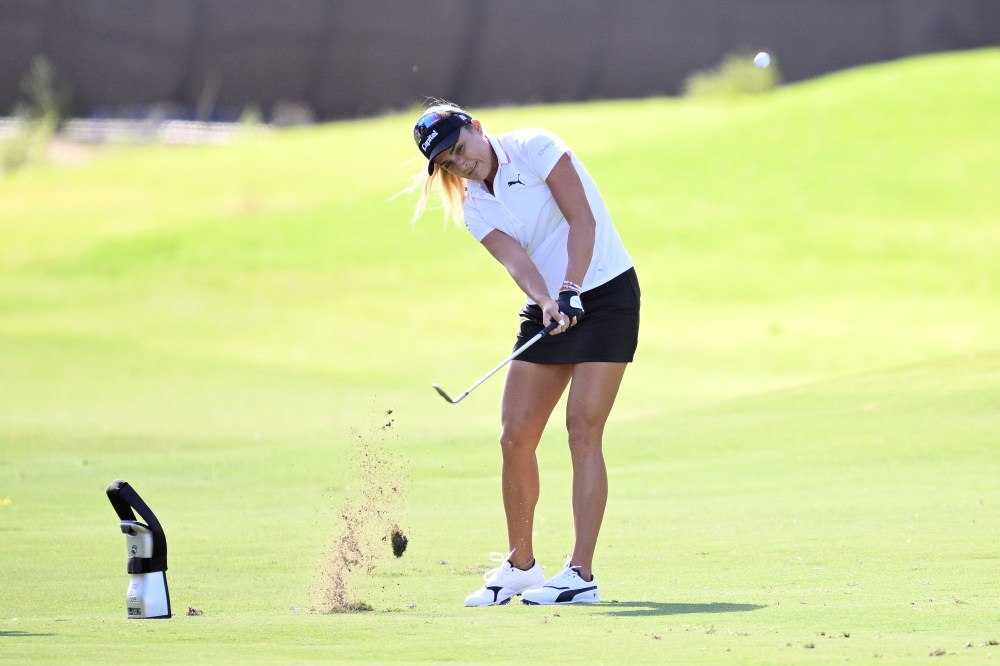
(502, 158)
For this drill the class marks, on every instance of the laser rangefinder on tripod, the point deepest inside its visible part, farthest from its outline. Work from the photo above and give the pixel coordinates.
(147, 595)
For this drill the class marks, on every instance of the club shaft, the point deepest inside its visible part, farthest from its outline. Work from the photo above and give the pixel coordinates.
(520, 350)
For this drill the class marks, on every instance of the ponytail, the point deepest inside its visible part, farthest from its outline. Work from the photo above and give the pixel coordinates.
(450, 187)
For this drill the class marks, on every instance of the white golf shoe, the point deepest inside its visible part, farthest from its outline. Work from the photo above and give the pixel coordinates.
(566, 587)
(504, 582)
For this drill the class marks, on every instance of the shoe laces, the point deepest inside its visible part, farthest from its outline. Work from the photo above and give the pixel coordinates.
(568, 574)
(491, 575)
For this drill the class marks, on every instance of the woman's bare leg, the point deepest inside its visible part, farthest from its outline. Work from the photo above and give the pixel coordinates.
(529, 396)
(591, 396)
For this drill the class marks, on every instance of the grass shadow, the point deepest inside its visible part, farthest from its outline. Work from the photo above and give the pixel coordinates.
(649, 608)
(20, 634)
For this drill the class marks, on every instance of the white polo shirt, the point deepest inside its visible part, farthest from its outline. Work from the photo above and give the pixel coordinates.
(524, 209)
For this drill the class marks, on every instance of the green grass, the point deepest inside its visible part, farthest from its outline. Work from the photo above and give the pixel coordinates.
(803, 454)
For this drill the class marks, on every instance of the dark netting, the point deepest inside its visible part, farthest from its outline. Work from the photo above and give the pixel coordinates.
(212, 59)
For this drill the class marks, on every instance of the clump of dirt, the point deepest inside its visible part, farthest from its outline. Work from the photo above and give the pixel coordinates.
(368, 518)
(399, 541)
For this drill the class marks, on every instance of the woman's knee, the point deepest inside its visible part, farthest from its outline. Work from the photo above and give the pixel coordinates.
(585, 434)
(518, 441)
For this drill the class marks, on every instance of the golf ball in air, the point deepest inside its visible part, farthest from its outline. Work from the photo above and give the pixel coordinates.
(762, 59)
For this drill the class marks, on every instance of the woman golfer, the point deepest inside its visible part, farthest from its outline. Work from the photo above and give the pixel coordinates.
(527, 198)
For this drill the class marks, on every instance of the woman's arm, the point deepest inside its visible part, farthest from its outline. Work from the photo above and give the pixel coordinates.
(509, 252)
(567, 189)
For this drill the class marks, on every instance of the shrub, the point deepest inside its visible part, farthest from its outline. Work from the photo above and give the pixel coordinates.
(735, 76)
(35, 121)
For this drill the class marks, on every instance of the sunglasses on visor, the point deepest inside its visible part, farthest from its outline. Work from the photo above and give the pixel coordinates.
(432, 118)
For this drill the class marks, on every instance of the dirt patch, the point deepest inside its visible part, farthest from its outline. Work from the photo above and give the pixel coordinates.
(368, 518)
(399, 541)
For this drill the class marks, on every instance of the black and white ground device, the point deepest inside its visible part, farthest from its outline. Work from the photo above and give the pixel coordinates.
(147, 596)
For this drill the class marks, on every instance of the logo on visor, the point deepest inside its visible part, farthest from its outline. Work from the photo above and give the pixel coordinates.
(427, 141)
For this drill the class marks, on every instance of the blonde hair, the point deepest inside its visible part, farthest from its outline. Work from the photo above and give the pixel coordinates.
(451, 188)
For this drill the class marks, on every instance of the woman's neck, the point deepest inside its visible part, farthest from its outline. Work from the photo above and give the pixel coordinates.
(494, 168)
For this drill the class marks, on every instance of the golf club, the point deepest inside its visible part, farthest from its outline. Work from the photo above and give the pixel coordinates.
(542, 333)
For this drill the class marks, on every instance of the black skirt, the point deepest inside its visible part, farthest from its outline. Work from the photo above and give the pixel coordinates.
(608, 331)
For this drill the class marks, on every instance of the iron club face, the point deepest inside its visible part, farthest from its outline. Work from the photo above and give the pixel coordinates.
(445, 395)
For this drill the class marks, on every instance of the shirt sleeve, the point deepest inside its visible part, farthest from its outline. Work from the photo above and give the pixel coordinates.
(475, 223)
(543, 151)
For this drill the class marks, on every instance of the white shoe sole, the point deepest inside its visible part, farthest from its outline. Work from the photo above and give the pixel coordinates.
(587, 597)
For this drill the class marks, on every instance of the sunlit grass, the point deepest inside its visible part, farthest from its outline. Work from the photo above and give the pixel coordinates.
(802, 453)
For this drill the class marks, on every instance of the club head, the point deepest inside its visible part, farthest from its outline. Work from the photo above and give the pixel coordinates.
(445, 395)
